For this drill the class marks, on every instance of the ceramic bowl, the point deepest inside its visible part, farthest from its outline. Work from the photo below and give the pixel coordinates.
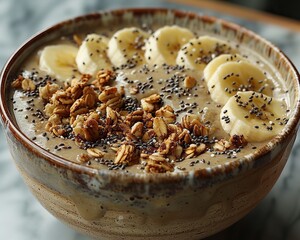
(118, 205)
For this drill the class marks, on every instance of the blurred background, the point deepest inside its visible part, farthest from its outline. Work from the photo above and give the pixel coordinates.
(286, 8)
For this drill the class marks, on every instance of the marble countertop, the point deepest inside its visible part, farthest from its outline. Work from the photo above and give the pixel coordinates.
(277, 217)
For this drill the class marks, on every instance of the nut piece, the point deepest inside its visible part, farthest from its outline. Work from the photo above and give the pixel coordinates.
(185, 137)
(177, 152)
(112, 117)
(17, 83)
(168, 146)
(221, 145)
(91, 132)
(126, 154)
(83, 158)
(53, 121)
(148, 120)
(102, 78)
(95, 152)
(137, 129)
(61, 97)
(171, 147)
(193, 150)
(58, 131)
(167, 112)
(238, 141)
(77, 86)
(47, 91)
(148, 107)
(188, 121)
(175, 128)
(79, 107)
(114, 146)
(28, 85)
(61, 110)
(55, 126)
(90, 97)
(193, 124)
(160, 127)
(133, 90)
(144, 156)
(151, 103)
(86, 102)
(148, 135)
(158, 164)
(49, 108)
(110, 97)
(133, 117)
(189, 82)
(200, 130)
(87, 127)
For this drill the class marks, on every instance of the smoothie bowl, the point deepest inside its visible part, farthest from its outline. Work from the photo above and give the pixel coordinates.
(149, 123)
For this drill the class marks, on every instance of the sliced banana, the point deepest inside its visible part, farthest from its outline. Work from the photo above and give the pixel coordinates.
(92, 55)
(213, 65)
(162, 47)
(198, 52)
(59, 61)
(256, 116)
(126, 47)
(232, 77)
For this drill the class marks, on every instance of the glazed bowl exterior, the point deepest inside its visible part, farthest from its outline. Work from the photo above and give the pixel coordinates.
(108, 204)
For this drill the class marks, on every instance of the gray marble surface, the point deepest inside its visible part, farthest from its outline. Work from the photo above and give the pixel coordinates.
(277, 217)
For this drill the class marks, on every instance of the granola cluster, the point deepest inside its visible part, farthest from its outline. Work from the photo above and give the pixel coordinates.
(92, 110)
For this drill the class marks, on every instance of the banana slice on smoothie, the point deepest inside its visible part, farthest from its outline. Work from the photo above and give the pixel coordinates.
(232, 77)
(92, 54)
(256, 116)
(198, 52)
(126, 47)
(162, 47)
(213, 65)
(59, 61)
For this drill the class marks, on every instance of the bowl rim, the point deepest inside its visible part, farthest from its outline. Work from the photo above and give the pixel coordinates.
(208, 172)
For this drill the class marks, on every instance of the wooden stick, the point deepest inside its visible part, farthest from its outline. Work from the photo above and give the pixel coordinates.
(243, 12)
